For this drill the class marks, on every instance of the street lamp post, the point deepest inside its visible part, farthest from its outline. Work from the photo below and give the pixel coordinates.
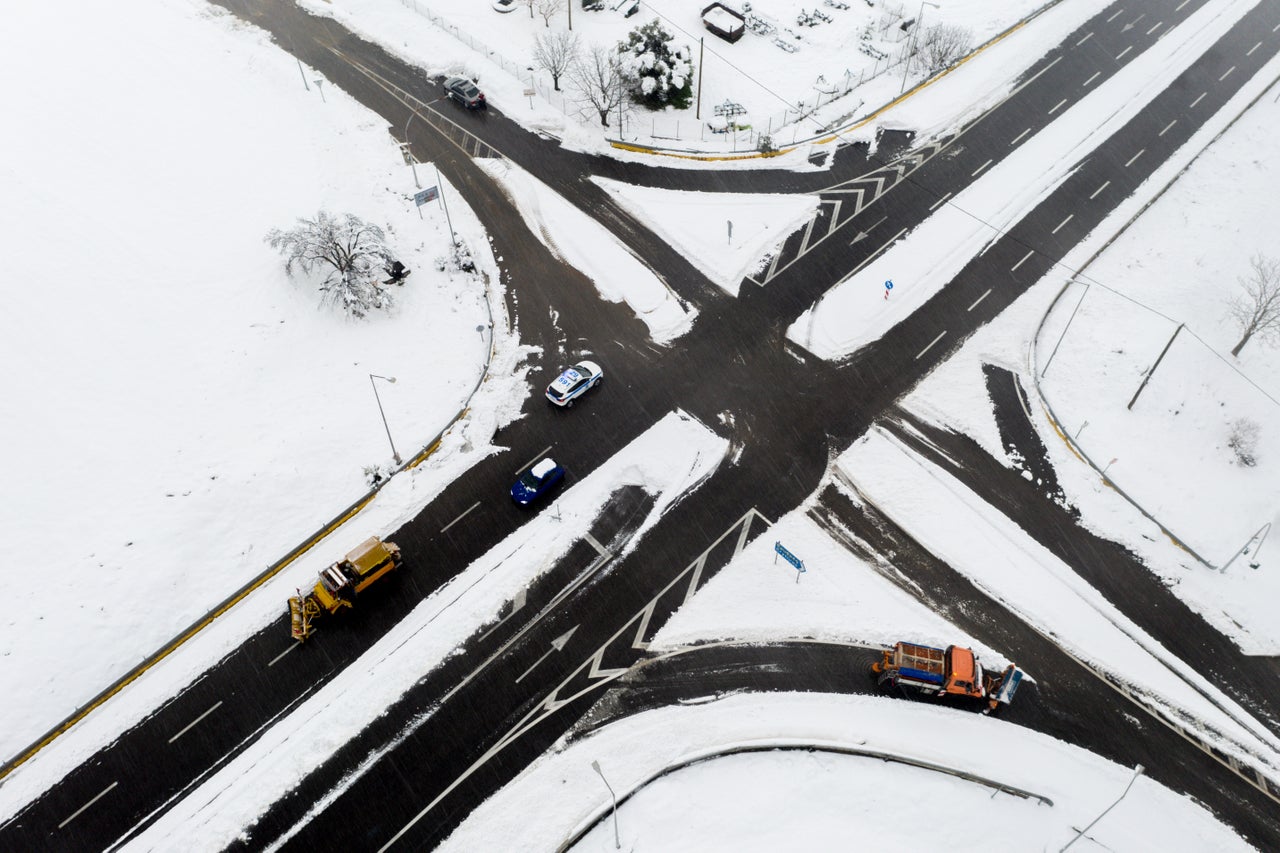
(413, 163)
(1137, 771)
(915, 31)
(617, 843)
(391, 379)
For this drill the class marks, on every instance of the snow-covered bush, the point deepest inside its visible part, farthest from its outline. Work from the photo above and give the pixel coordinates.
(458, 260)
(661, 74)
(1243, 441)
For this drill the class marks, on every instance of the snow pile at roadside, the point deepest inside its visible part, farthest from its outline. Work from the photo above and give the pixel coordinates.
(669, 460)
(581, 242)
(561, 794)
(855, 313)
(1008, 565)
(727, 236)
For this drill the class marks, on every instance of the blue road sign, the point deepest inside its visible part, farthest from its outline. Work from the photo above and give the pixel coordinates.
(788, 556)
(888, 285)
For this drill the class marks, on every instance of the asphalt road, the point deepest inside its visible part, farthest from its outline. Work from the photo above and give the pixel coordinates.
(788, 411)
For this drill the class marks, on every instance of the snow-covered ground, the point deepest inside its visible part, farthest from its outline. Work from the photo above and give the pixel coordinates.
(206, 392)
(780, 91)
(180, 413)
(828, 801)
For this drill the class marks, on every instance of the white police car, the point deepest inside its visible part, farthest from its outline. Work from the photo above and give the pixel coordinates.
(574, 382)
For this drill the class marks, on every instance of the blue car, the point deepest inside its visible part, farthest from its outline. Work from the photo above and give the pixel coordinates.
(536, 482)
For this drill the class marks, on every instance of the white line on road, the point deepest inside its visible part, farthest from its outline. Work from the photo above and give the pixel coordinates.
(1180, 5)
(517, 604)
(78, 811)
(1134, 157)
(529, 464)
(939, 202)
(1197, 100)
(1167, 126)
(1099, 189)
(979, 299)
(591, 540)
(1228, 74)
(1156, 27)
(292, 646)
(1252, 49)
(1116, 15)
(1055, 106)
(931, 343)
(1063, 222)
(193, 723)
(1085, 39)
(1091, 79)
(1023, 261)
(1018, 138)
(464, 513)
(1121, 54)
(980, 168)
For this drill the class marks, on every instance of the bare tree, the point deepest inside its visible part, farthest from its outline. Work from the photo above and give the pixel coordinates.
(599, 80)
(1257, 310)
(548, 9)
(554, 53)
(353, 252)
(943, 45)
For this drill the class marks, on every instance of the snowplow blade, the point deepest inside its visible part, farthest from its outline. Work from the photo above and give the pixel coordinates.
(300, 612)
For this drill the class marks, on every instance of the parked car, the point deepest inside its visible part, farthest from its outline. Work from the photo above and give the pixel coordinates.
(574, 382)
(465, 92)
(504, 5)
(537, 481)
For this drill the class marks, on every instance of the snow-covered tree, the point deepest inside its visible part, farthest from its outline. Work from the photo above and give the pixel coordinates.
(943, 45)
(554, 53)
(352, 253)
(661, 73)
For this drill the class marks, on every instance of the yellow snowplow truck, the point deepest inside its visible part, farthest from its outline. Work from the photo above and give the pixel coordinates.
(339, 584)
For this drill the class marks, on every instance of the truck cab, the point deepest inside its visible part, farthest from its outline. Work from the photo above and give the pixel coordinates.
(963, 673)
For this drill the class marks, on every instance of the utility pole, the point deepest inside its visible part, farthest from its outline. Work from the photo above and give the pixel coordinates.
(702, 45)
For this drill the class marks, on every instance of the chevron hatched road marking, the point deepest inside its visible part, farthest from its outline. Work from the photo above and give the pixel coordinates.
(593, 667)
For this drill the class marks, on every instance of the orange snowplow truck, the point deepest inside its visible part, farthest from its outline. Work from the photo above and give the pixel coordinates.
(339, 584)
(954, 671)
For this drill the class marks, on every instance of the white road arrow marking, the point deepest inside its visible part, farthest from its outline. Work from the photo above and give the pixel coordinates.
(557, 645)
(862, 235)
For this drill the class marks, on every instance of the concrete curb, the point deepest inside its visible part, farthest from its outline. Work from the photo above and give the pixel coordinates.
(793, 746)
(271, 571)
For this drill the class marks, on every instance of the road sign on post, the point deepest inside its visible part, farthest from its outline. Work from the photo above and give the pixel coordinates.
(789, 557)
(426, 195)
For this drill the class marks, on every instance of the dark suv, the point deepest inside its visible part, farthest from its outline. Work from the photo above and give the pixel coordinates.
(464, 92)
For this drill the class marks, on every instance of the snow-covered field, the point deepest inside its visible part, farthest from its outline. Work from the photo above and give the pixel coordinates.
(180, 413)
(217, 415)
